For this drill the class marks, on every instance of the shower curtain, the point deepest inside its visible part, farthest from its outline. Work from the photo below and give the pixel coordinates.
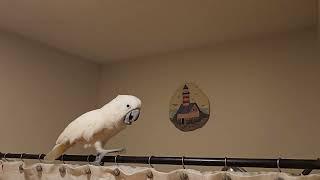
(20, 171)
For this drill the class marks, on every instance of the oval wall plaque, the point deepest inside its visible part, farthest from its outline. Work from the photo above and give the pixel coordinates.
(189, 108)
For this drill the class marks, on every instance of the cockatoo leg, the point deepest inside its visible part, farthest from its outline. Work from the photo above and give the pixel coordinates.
(102, 152)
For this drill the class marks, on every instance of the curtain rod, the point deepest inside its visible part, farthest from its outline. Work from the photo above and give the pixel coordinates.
(307, 164)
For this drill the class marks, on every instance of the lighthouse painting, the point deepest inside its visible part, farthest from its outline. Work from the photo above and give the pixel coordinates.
(189, 108)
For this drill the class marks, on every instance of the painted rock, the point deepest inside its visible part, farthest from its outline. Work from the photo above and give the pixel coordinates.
(189, 108)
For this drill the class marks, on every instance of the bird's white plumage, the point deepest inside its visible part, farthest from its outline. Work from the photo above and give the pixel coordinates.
(83, 128)
(100, 124)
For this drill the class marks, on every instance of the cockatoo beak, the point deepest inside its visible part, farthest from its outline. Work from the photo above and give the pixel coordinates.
(131, 116)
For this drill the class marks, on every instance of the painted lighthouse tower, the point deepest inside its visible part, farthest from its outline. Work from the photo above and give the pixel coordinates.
(189, 108)
(187, 111)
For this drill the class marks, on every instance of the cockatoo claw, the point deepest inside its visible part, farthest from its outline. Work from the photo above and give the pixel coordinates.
(99, 157)
(104, 152)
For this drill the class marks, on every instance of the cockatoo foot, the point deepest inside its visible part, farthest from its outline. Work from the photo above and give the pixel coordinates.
(102, 153)
(98, 160)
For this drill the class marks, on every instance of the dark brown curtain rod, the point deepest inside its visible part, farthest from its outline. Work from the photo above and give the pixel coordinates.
(307, 164)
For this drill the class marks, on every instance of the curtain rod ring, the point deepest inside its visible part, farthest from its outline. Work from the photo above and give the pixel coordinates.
(278, 164)
(115, 159)
(88, 159)
(149, 162)
(225, 161)
(62, 159)
(39, 158)
(5, 157)
(182, 161)
(21, 156)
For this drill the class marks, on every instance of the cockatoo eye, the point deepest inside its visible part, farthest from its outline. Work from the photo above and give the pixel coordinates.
(128, 106)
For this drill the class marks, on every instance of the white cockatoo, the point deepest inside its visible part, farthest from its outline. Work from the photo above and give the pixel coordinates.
(96, 127)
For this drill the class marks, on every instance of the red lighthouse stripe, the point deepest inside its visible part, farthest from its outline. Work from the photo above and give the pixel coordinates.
(186, 100)
(185, 94)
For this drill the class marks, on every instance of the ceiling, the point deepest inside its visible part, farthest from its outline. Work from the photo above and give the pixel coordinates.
(110, 30)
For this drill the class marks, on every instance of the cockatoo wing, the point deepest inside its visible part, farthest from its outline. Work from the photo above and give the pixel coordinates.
(83, 129)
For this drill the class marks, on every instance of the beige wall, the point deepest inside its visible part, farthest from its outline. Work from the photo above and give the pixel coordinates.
(318, 19)
(264, 97)
(41, 90)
